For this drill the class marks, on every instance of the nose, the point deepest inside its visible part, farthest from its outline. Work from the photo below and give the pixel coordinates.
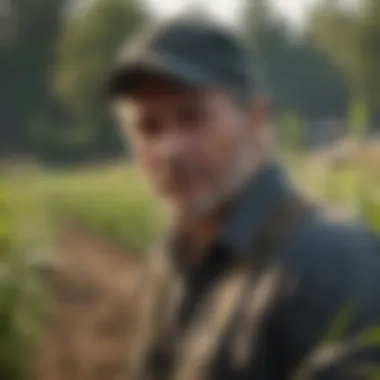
(171, 144)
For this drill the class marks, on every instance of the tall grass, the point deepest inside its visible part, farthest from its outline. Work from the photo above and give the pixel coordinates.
(115, 202)
(21, 293)
(352, 187)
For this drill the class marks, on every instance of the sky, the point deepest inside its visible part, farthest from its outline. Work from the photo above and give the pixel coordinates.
(228, 10)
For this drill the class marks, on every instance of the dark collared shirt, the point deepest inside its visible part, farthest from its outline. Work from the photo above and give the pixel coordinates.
(249, 212)
(333, 264)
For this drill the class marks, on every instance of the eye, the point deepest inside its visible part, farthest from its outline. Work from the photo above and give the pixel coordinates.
(149, 127)
(192, 116)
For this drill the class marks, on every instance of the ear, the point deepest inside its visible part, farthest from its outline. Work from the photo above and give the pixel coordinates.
(260, 112)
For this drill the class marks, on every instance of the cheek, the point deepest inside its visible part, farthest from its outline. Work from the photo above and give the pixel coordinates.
(217, 148)
(144, 153)
(222, 144)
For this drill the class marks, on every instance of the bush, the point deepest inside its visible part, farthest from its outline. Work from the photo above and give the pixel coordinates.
(112, 202)
(21, 296)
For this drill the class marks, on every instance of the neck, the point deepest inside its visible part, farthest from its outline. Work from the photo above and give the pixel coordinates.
(199, 230)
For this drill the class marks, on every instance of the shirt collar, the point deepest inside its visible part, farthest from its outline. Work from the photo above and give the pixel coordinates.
(250, 211)
(253, 207)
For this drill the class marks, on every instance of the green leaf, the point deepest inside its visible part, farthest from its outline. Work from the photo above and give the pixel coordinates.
(339, 324)
(371, 337)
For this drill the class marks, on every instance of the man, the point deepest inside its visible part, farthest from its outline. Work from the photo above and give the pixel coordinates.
(251, 277)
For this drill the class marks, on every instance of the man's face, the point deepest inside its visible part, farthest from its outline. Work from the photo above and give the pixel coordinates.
(193, 145)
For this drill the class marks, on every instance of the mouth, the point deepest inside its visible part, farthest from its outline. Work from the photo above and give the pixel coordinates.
(178, 187)
(182, 181)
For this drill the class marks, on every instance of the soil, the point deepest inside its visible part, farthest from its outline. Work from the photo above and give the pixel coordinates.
(90, 316)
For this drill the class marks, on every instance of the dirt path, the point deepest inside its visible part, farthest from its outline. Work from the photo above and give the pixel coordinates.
(90, 318)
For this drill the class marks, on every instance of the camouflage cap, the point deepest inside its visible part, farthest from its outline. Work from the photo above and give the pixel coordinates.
(193, 51)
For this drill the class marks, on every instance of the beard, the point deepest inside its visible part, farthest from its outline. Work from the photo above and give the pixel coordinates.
(220, 196)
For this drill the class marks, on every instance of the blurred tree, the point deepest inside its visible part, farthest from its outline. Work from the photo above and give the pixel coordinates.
(86, 53)
(297, 75)
(351, 39)
(29, 31)
(22, 295)
(358, 118)
(52, 106)
(291, 134)
(371, 41)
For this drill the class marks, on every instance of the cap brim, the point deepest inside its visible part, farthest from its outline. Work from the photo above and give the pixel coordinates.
(125, 77)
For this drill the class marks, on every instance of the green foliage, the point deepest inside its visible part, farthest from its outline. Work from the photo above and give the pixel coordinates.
(358, 118)
(297, 75)
(21, 296)
(367, 199)
(56, 55)
(338, 347)
(5, 221)
(336, 31)
(320, 70)
(26, 58)
(112, 202)
(291, 132)
(21, 316)
(349, 39)
(54, 63)
(86, 53)
(340, 324)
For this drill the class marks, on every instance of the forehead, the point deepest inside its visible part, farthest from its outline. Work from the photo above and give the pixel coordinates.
(158, 90)
(150, 86)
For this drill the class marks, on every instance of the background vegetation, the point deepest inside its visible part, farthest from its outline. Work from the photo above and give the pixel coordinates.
(58, 142)
(55, 54)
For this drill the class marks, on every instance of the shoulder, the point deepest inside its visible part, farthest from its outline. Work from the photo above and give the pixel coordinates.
(334, 248)
(335, 265)
(335, 261)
